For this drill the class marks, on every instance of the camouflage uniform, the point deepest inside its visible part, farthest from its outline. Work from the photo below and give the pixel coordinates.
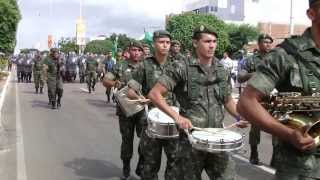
(201, 92)
(176, 57)
(147, 75)
(250, 65)
(292, 67)
(54, 80)
(122, 72)
(38, 73)
(82, 69)
(91, 72)
(27, 65)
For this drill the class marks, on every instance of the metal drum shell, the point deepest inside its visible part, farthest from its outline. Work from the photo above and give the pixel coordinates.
(128, 108)
(162, 130)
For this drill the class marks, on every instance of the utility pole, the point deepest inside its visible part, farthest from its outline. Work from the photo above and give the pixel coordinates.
(291, 25)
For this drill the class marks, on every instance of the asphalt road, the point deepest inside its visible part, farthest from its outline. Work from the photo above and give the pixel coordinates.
(80, 141)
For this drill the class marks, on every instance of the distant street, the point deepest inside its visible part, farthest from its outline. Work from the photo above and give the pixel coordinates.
(80, 141)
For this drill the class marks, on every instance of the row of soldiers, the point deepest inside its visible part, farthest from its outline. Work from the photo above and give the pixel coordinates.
(200, 87)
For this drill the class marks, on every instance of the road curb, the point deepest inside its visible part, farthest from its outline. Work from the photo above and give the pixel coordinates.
(2, 96)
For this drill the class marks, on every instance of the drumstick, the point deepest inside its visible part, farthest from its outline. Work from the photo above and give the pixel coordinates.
(139, 100)
(205, 130)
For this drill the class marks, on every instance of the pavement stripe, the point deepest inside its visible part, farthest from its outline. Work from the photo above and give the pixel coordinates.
(21, 163)
(262, 167)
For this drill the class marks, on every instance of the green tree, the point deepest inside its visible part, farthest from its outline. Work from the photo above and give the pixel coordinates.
(99, 46)
(240, 35)
(123, 40)
(181, 28)
(9, 19)
(68, 45)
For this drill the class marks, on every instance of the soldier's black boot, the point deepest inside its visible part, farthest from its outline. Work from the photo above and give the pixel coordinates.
(254, 156)
(41, 90)
(125, 170)
(58, 103)
(53, 105)
(37, 90)
(89, 89)
(139, 166)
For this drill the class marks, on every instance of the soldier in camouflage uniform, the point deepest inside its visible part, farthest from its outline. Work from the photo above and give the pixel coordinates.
(91, 72)
(291, 67)
(118, 77)
(202, 89)
(54, 69)
(38, 72)
(27, 66)
(147, 75)
(20, 71)
(248, 69)
(82, 68)
(175, 54)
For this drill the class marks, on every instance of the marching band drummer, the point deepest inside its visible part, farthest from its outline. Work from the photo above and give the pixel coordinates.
(291, 67)
(202, 89)
(147, 75)
(119, 76)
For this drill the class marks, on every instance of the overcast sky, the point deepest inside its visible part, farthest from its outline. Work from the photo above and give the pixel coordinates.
(103, 17)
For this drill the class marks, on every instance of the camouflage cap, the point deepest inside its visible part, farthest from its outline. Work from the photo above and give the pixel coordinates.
(312, 2)
(136, 44)
(174, 42)
(161, 33)
(262, 37)
(203, 29)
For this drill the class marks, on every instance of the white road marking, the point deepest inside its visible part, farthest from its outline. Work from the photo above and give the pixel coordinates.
(262, 167)
(21, 163)
(2, 97)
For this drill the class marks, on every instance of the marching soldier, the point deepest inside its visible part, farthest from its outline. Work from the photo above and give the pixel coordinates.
(291, 67)
(248, 69)
(38, 72)
(147, 75)
(91, 72)
(202, 89)
(118, 77)
(54, 69)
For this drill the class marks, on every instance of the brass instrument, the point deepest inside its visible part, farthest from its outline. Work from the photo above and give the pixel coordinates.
(297, 112)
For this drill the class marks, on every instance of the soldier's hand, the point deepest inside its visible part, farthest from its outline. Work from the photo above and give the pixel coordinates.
(183, 122)
(242, 124)
(143, 100)
(301, 141)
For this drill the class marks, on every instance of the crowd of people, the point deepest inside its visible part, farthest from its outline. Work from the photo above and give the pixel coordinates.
(201, 87)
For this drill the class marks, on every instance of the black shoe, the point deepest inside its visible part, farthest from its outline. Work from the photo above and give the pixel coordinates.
(139, 167)
(41, 90)
(36, 90)
(53, 105)
(254, 156)
(126, 169)
(93, 88)
(89, 90)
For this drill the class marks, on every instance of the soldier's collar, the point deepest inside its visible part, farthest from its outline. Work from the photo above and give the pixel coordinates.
(307, 42)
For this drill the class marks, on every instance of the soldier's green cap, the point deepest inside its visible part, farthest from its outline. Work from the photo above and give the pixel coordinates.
(312, 2)
(203, 29)
(160, 34)
(174, 42)
(119, 50)
(262, 37)
(136, 44)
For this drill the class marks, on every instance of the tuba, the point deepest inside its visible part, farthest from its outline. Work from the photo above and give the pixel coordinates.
(297, 112)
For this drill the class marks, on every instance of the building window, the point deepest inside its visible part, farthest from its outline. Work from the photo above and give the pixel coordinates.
(196, 11)
(214, 8)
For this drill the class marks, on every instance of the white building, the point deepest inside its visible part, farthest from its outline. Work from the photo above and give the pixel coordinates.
(252, 11)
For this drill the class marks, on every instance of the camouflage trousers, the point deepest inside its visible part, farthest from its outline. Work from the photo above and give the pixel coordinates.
(254, 136)
(152, 151)
(55, 89)
(127, 128)
(191, 163)
(38, 79)
(91, 78)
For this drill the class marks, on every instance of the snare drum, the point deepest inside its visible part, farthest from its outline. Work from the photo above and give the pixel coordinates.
(217, 140)
(160, 125)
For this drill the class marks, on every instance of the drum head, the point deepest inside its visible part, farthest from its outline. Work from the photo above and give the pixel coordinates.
(157, 115)
(218, 135)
